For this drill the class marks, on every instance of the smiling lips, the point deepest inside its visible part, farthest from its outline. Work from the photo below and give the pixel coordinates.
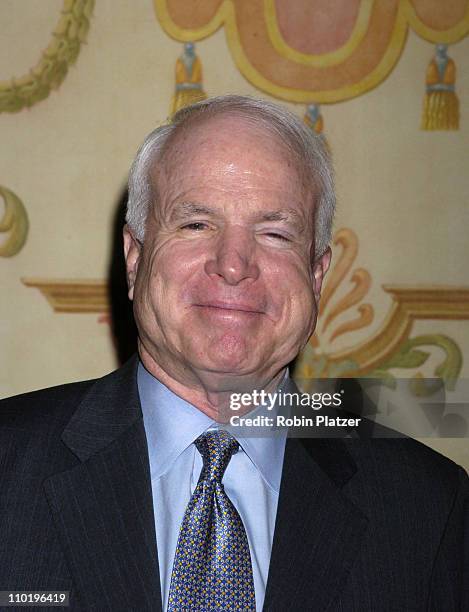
(230, 307)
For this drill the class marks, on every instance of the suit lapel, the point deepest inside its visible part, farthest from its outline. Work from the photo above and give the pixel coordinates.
(318, 530)
(103, 507)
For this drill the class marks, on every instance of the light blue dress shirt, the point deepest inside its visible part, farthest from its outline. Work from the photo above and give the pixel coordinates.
(251, 481)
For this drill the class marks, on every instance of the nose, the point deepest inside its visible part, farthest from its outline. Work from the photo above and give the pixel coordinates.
(233, 256)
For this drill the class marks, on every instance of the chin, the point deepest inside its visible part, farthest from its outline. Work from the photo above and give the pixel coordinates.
(230, 354)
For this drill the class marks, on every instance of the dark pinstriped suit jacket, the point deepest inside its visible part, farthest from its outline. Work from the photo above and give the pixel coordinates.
(362, 525)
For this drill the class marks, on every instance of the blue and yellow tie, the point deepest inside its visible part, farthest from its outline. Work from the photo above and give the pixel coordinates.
(212, 565)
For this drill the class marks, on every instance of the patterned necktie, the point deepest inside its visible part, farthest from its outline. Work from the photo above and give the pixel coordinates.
(212, 565)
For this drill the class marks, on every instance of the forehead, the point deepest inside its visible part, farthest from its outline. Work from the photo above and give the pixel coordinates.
(229, 148)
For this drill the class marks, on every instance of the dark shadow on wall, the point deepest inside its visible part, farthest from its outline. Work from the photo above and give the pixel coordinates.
(123, 329)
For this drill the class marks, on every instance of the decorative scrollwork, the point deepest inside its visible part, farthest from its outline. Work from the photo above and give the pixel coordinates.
(290, 51)
(331, 308)
(15, 221)
(410, 357)
(69, 295)
(51, 69)
(390, 346)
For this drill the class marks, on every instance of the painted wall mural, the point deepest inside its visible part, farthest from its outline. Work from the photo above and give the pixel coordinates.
(390, 346)
(51, 69)
(305, 52)
(441, 105)
(188, 73)
(25, 91)
(14, 223)
(310, 52)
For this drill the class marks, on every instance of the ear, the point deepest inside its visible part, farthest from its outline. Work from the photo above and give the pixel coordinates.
(132, 252)
(320, 267)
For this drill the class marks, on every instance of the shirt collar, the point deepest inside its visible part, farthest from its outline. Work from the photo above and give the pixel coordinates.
(172, 424)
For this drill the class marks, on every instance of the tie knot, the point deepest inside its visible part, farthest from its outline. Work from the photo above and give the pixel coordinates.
(217, 448)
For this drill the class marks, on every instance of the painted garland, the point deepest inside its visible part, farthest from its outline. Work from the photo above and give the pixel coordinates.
(50, 71)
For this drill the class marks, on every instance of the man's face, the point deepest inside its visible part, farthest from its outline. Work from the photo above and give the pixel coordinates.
(225, 289)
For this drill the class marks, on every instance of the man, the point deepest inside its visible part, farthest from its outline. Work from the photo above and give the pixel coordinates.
(130, 491)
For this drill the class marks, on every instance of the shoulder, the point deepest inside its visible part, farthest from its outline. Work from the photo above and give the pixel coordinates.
(34, 426)
(40, 408)
(409, 471)
(399, 453)
(31, 428)
(42, 416)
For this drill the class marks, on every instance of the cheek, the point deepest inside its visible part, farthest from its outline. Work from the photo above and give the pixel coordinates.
(164, 278)
(290, 286)
(301, 311)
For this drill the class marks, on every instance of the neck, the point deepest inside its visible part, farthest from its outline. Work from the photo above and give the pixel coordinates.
(205, 394)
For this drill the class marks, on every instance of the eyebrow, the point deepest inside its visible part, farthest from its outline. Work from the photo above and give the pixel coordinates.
(288, 214)
(189, 209)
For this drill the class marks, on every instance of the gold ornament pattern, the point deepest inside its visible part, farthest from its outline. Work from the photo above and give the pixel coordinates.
(15, 221)
(188, 88)
(50, 71)
(70, 295)
(300, 52)
(390, 346)
(410, 357)
(441, 104)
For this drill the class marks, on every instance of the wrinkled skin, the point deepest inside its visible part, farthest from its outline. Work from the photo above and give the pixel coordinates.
(225, 286)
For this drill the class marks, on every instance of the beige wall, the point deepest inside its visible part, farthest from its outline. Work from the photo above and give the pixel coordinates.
(402, 190)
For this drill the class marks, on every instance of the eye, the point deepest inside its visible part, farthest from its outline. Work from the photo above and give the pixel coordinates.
(278, 236)
(196, 226)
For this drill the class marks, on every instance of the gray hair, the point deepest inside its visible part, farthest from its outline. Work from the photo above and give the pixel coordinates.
(301, 140)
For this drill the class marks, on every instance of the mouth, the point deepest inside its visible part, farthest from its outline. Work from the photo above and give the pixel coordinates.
(230, 307)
